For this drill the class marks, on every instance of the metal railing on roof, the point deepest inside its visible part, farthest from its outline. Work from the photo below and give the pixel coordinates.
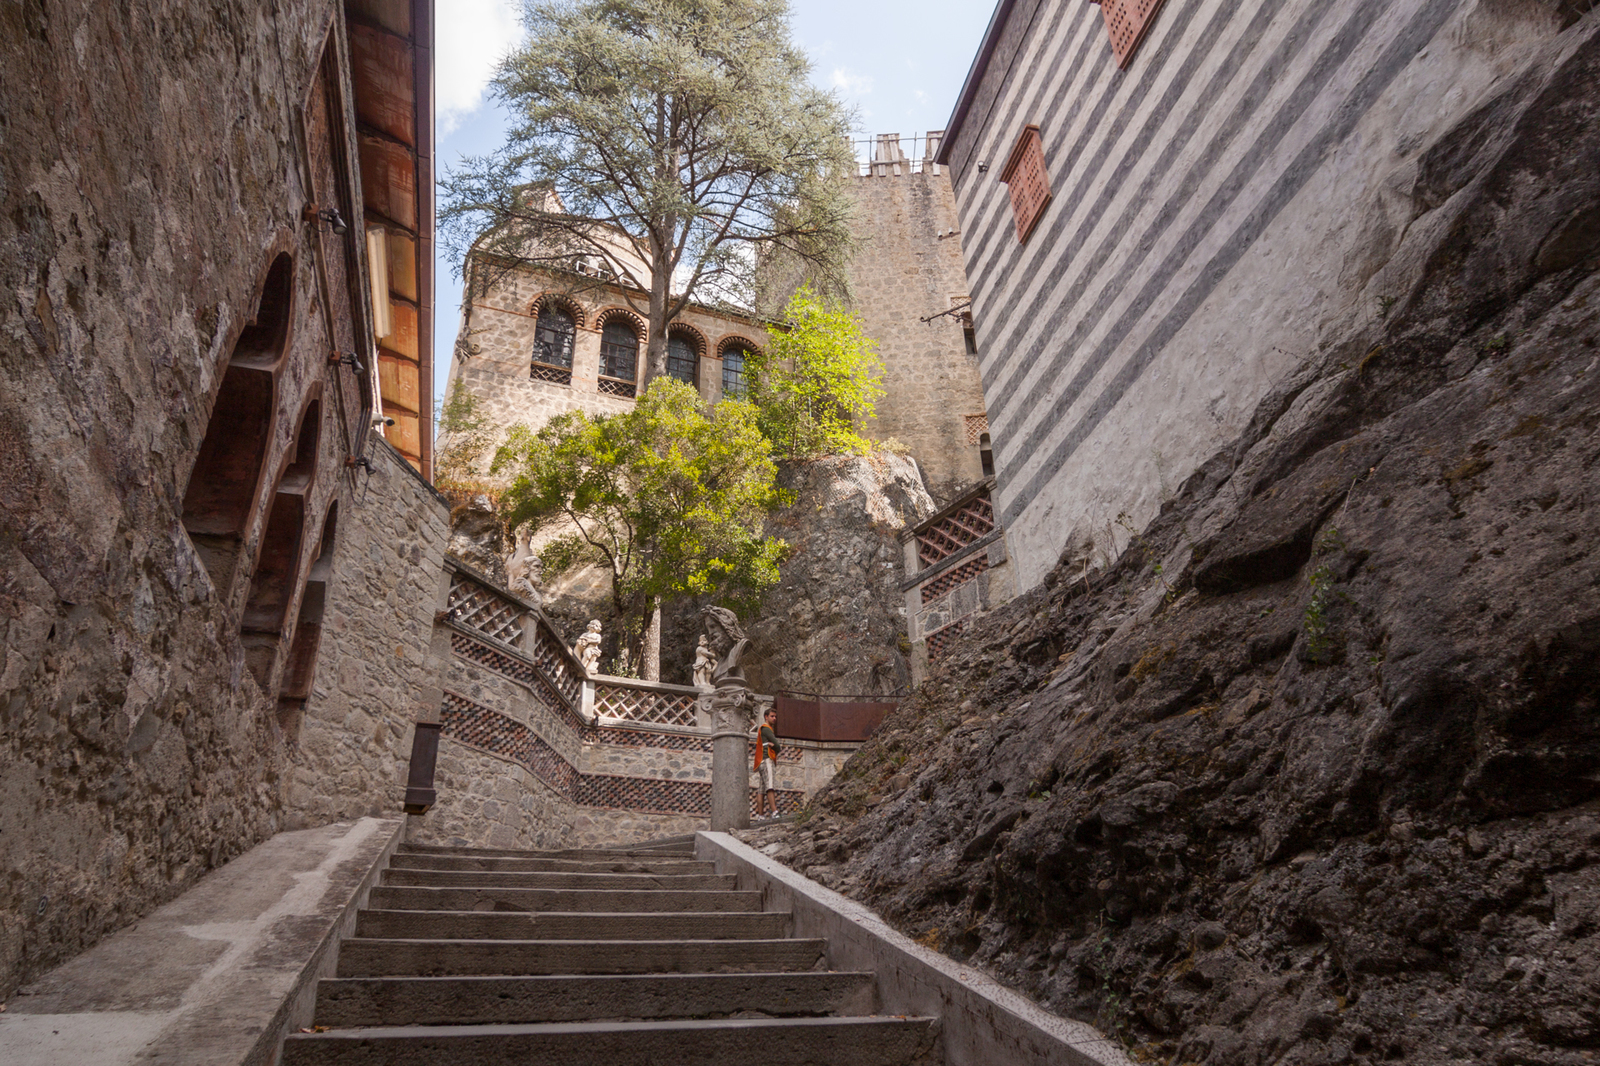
(890, 155)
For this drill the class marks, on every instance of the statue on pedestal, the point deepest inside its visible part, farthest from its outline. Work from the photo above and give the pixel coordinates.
(587, 647)
(705, 661)
(732, 708)
(524, 572)
(728, 642)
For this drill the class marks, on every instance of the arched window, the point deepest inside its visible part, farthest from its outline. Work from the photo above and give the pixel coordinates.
(681, 359)
(272, 584)
(302, 665)
(227, 472)
(553, 337)
(619, 355)
(734, 385)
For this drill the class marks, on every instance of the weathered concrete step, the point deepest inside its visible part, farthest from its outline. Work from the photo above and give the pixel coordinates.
(584, 854)
(423, 898)
(491, 879)
(504, 864)
(365, 957)
(772, 1042)
(345, 1002)
(569, 925)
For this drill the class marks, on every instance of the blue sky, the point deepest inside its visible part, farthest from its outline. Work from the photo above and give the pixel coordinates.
(899, 64)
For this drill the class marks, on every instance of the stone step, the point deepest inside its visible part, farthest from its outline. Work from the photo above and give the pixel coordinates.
(345, 1002)
(491, 879)
(770, 1042)
(423, 898)
(581, 854)
(504, 864)
(367, 957)
(570, 925)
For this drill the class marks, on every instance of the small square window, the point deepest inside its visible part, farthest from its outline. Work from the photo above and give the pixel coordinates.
(1029, 184)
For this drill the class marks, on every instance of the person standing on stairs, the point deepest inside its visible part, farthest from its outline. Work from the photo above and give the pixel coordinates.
(767, 766)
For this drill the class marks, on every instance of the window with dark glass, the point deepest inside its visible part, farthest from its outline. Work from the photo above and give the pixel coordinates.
(619, 355)
(553, 337)
(733, 382)
(680, 359)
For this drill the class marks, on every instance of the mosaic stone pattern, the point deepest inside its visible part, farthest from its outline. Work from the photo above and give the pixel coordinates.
(518, 670)
(945, 582)
(939, 643)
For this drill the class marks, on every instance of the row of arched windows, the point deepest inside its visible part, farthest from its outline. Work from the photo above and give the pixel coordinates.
(555, 334)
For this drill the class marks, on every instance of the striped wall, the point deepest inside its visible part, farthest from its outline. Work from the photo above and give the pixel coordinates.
(1218, 208)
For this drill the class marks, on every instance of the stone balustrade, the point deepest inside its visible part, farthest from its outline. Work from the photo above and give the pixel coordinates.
(536, 752)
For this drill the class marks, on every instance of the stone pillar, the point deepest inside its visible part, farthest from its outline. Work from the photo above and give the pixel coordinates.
(731, 707)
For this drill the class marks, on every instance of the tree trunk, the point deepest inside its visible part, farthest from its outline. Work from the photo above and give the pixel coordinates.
(650, 653)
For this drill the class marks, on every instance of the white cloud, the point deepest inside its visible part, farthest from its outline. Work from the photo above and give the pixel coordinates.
(471, 37)
(851, 84)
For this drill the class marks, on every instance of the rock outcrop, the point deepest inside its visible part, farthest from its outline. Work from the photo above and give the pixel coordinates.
(836, 623)
(1311, 774)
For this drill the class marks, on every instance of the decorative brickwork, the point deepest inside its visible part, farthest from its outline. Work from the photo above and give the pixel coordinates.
(971, 522)
(475, 724)
(939, 643)
(480, 608)
(558, 664)
(634, 738)
(518, 670)
(977, 426)
(644, 705)
(556, 375)
(656, 796)
(945, 582)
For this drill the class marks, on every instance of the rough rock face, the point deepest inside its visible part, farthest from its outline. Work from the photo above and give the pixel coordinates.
(835, 623)
(1312, 773)
(477, 537)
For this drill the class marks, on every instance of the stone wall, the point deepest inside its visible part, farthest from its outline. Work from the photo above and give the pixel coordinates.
(908, 267)
(495, 346)
(376, 670)
(1222, 209)
(175, 490)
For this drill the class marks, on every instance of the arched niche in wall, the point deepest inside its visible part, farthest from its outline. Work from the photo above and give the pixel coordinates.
(301, 668)
(227, 472)
(277, 562)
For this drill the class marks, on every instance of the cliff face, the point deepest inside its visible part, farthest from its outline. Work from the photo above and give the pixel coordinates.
(836, 623)
(1311, 774)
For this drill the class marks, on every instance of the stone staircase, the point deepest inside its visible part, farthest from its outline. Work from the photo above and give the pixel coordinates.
(642, 957)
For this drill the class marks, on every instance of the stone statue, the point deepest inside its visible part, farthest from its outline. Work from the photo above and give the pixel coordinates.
(705, 661)
(588, 647)
(727, 641)
(524, 572)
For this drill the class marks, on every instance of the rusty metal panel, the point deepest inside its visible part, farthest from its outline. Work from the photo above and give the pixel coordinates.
(829, 720)
(420, 793)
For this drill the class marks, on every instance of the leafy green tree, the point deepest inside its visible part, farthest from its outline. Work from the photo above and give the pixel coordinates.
(677, 141)
(819, 378)
(668, 497)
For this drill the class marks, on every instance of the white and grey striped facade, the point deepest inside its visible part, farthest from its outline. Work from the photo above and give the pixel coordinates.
(1218, 210)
